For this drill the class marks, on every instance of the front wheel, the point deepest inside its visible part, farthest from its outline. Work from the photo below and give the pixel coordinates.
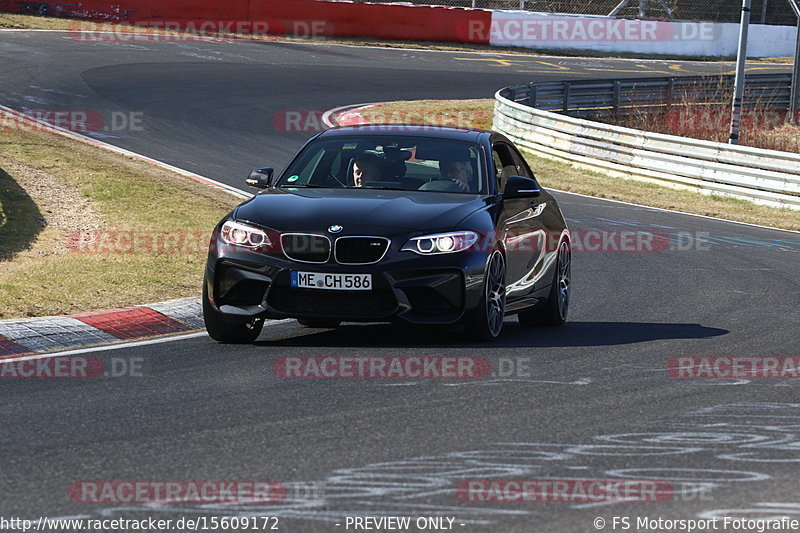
(486, 322)
(554, 312)
(223, 329)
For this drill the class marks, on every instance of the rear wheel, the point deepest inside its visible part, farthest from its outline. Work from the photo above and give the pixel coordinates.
(319, 322)
(554, 311)
(486, 322)
(227, 330)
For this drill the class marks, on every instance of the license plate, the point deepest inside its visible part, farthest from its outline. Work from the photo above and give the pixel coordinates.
(336, 282)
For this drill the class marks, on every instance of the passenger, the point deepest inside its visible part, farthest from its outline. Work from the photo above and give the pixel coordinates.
(459, 172)
(366, 168)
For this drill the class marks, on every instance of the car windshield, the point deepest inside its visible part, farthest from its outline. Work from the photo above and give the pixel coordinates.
(389, 162)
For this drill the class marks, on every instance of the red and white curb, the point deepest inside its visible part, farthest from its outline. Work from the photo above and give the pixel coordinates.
(34, 335)
(349, 115)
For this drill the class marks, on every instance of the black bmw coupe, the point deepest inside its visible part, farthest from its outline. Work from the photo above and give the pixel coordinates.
(377, 223)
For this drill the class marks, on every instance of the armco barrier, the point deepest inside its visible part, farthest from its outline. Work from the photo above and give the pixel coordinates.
(766, 177)
(614, 98)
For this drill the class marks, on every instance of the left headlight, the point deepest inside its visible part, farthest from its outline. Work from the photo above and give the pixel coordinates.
(240, 234)
(441, 243)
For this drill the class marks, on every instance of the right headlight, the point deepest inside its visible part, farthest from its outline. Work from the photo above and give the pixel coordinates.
(441, 243)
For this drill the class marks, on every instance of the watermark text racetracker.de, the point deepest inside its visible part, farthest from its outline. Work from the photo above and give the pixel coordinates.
(404, 367)
(71, 367)
(206, 30)
(733, 367)
(204, 491)
(311, 120)
(563, 490)
(523, 241)
(86, 121)
(713, 120)
(515, 29)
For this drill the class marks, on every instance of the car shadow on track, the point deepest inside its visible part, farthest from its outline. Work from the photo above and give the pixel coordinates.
(572, 334)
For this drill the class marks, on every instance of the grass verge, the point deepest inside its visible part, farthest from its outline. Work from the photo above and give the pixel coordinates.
(143, 230)
(558, 175)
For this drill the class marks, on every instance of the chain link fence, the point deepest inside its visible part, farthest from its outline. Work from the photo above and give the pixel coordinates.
(763, 11)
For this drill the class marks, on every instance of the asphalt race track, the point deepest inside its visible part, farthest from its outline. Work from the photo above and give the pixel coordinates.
(589, 401)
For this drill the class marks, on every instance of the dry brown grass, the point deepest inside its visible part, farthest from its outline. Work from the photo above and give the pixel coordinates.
(704, 113)
(458, 113)
(761, 128)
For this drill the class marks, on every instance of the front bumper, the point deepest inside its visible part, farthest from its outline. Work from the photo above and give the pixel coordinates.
(406, 287)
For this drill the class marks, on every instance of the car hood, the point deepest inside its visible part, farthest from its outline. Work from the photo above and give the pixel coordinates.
(358, 210)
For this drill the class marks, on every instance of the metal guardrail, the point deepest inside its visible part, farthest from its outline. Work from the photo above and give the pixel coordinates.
(766, 177)
(620, 97)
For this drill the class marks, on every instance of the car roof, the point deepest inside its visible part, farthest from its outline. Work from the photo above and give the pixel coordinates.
(408, 130)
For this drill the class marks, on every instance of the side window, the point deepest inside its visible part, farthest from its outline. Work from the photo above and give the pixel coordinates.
(522, 166)
(504, 164)
(498, 167)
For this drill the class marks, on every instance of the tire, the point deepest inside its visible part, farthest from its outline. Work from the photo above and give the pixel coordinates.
(554, 311)
(43, 10)
(319, 322)
(226, 330)
(485, 323)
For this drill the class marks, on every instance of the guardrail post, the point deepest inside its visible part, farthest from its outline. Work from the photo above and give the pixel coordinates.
(670, 88)
(739, 81)
(615, 99)
(793, 94)
(533, 91)
(567, 87)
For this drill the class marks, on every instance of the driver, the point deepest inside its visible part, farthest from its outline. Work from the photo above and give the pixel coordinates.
(459, 172)
(366, 168)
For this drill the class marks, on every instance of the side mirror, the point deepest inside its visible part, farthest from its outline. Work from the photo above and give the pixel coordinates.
(260, 178)
(521, 187)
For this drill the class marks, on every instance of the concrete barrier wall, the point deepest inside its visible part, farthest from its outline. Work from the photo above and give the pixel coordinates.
(324, 18)
(549, 31)
(541, 31)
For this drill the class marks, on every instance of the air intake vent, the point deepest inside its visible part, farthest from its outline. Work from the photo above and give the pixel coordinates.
(360, 250)
(306, 248)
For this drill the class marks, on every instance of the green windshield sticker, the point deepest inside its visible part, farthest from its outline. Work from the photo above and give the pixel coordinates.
(350, 146)
(292, 179)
